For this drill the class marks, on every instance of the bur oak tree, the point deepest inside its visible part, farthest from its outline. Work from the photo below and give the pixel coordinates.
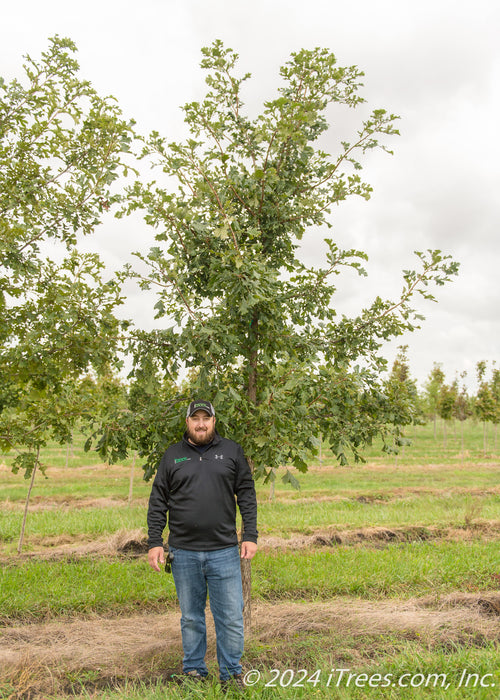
(236, 304)
(446, 406)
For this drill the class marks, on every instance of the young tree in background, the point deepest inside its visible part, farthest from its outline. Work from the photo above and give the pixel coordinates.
(402, 397)
(462, 408)
(432, 390)
(446, 406)
(62, 147)
(485, 405)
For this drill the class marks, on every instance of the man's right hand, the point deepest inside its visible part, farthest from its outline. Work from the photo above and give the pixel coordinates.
(156, 557)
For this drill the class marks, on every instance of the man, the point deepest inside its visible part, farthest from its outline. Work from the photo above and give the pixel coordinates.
(196, 484)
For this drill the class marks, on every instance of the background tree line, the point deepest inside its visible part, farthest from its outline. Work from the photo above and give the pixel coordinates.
(448, 400)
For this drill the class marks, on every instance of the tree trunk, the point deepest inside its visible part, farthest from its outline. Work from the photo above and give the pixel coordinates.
(26, 505)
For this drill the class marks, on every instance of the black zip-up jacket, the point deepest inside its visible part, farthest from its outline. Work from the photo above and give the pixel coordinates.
(198, 491)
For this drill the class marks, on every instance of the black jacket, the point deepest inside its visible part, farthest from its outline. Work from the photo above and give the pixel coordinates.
(198, 493)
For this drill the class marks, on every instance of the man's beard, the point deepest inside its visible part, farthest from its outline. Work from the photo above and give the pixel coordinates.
(200, 436)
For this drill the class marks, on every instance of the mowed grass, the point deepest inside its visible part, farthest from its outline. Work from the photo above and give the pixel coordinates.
(39, 589)
(82, 524)
(341, 498)
(74, 502)
(42, 589)
(374, 666)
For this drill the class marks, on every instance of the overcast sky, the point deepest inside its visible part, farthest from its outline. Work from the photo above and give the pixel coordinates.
(435, 63)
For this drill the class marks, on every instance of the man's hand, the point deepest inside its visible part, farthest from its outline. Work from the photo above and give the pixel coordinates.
(156, 556)
(248, 550)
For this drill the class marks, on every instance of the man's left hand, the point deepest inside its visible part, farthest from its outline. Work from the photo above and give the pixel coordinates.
(248, 550)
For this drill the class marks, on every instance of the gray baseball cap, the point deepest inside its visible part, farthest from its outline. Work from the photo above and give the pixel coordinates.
(200, 406)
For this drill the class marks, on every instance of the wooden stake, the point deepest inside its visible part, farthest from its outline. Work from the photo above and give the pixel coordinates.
(26, 505)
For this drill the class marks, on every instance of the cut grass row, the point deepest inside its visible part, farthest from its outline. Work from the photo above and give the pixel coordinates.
(282, 519)
(334, 664)
(40, 589)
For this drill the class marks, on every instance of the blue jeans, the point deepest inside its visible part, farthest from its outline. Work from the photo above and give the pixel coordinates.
(219, 572)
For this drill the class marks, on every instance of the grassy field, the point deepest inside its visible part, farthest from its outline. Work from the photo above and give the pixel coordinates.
(389, 570)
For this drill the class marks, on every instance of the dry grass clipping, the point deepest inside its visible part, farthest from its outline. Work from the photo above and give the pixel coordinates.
(38, 656)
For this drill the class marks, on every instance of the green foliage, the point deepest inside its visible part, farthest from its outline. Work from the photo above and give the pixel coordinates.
(62, 149)
(256, 326)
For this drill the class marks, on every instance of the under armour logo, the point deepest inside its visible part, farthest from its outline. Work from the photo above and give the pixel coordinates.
(219, 456)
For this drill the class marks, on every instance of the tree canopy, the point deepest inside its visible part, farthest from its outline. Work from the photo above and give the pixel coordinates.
(255, 328)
